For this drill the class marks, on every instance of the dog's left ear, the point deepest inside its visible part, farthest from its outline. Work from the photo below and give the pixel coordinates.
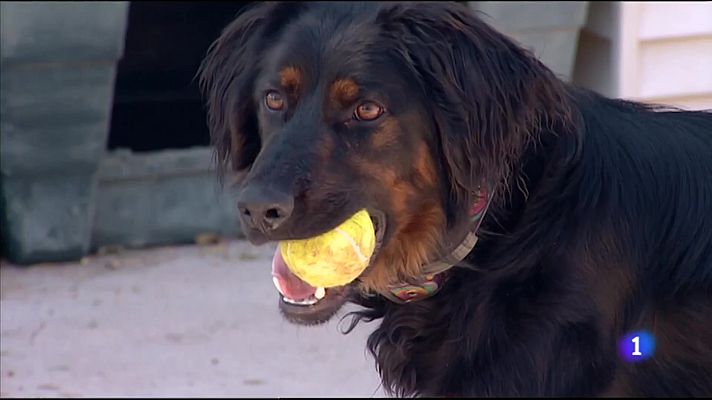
(489, 95)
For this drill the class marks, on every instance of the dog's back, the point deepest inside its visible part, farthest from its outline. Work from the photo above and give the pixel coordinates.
(649, 170)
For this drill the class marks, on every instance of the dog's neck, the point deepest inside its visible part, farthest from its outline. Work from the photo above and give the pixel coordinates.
(525, 182)
(498, 210)
(433, 274)
(533, 164)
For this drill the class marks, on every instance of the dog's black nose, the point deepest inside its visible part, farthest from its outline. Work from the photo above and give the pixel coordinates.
(264, 209)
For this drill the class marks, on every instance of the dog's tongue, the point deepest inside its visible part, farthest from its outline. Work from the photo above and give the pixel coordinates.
(287, 283)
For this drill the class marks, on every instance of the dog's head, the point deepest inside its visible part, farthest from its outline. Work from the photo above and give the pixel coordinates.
(402, 109)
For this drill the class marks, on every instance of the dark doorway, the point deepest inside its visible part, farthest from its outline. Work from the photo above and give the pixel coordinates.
(157, 104)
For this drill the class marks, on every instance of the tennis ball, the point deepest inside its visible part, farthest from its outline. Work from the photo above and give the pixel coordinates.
(334, 258)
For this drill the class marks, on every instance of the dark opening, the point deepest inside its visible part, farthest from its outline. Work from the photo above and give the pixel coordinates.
(157, 104)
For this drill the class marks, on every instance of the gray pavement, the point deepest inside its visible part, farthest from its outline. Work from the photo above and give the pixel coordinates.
(177, 321)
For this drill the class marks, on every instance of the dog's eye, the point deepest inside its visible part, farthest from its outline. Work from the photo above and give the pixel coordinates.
(368, 111)
(274, 101)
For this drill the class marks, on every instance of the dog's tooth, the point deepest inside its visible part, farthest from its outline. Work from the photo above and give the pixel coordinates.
(306, 302)
(276, 284)
(320, 293)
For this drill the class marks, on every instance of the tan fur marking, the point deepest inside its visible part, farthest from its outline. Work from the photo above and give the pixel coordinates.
(413, 243)
(343, 92)
(424, 165)
(416, 225)
(290, 79)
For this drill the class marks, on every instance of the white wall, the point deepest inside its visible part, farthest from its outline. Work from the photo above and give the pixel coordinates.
(650, 51)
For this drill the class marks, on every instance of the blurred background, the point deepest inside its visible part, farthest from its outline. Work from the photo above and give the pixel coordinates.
(123, 270)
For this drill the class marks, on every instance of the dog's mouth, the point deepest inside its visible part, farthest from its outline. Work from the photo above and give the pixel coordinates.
(304, 304)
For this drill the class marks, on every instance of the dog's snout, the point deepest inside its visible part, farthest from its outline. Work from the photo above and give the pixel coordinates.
(264, 209)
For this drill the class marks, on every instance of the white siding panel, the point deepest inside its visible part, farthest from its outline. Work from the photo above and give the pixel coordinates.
(665, 20)
(675, 68)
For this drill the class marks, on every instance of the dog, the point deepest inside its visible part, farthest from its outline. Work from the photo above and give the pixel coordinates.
(526, 228)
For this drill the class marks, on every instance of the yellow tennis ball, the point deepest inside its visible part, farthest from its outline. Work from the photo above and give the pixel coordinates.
(334, 258)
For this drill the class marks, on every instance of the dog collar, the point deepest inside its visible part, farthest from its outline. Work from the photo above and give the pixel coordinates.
(433, 276)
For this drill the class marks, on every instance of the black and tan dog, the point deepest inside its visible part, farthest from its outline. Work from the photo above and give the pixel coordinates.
(597, 212)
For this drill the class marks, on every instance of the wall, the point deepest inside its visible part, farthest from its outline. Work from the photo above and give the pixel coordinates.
(650, 51)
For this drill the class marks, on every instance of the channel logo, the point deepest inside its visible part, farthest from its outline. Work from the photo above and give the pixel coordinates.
(636, 346)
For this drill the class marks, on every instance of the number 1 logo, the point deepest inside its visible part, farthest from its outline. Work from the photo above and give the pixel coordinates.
(636, 342)
(636, 346)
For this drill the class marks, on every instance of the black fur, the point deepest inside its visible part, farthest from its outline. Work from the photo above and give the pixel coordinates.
(601, 223)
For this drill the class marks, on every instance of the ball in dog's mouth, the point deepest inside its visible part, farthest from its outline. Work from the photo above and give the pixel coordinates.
(304, 304)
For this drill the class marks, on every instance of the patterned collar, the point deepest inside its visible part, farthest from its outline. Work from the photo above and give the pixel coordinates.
(433, 274)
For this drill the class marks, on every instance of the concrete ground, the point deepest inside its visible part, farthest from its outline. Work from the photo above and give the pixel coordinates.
(183, 321)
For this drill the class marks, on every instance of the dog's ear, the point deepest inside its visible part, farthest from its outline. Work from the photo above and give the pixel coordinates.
(488, 94)
(226, 79)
